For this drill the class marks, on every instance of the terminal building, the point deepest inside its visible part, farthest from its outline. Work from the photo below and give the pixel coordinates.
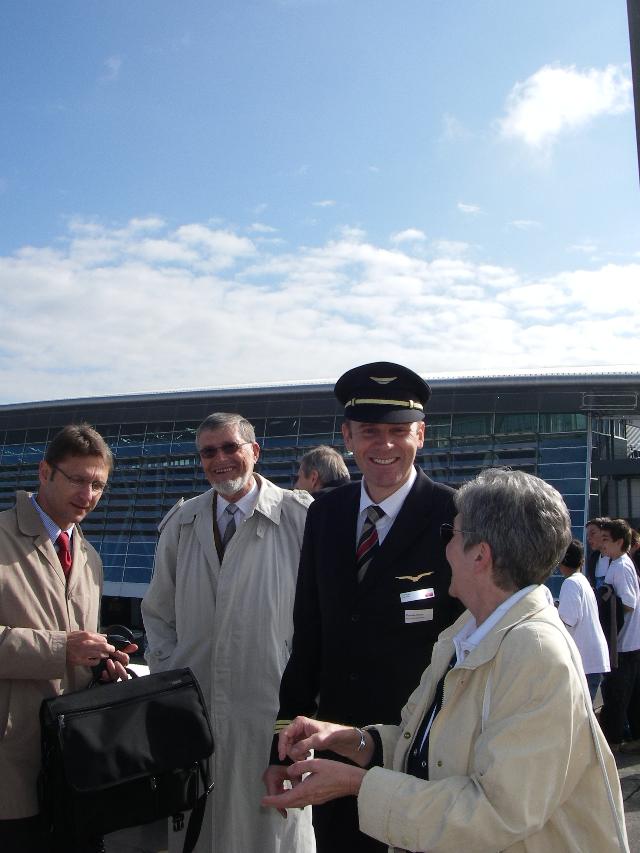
(580, 432)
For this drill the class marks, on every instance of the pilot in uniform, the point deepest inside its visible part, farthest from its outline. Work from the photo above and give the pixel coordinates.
(372, 590)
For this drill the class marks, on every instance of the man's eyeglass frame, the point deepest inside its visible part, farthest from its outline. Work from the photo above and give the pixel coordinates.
(228, 448)
(97, 486)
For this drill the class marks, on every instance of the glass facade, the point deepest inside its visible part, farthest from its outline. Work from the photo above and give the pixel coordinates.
(543, 428)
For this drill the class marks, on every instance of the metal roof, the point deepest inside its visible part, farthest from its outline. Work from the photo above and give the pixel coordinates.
(439, 382)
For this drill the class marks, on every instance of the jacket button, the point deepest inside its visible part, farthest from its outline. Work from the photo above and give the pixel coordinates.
(353, 676)
(355, 617)
(407, 735)
(439, 763)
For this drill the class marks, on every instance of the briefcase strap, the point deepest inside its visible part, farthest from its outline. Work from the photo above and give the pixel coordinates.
(197, 813)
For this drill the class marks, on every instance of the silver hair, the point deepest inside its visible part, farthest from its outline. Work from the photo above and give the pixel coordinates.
(222, 419)
(524, 520)
(327, 461)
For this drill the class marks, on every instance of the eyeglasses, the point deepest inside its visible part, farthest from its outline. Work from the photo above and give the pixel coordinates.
(228, 448)
(447, 531)
(97, 486)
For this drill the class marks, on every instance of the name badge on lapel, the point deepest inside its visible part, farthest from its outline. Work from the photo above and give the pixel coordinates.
(417, 595)
(418, 616)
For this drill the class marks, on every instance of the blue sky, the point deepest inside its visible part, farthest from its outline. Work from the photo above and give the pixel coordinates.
(198, 194)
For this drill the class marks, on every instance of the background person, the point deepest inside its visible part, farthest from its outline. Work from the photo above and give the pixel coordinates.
(373, 587)
(50, 587)
(597, 563)
(494, 750)
(321, 470)
(634, 550)
(578, 610)
(221, 602)
(621, 687)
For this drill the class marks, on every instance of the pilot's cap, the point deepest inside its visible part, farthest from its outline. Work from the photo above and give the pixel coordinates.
(382, 393)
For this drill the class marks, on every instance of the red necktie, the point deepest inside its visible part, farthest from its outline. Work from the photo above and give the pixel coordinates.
(64, 552)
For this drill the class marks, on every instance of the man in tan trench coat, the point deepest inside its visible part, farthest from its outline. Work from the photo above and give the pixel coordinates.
(50, 586)
(221, 602)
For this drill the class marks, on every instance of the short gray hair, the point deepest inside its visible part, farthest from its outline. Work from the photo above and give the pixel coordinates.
(222, 419)
(327, 461)
(524, 520)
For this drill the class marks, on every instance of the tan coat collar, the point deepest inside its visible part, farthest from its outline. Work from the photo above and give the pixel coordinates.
(532, 604)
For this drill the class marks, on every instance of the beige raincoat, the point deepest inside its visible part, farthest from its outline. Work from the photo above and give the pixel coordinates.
(232, 624)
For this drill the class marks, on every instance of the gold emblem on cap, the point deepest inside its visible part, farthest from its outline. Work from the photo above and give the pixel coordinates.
(382, 380)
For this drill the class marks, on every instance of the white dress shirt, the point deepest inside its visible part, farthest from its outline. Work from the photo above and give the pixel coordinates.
(245, 505)
(391, 506)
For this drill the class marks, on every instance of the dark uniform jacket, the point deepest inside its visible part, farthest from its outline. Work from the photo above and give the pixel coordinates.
(356, 644)
(359, 649)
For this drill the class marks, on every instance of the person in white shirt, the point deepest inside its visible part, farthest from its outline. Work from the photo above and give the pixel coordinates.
(578, 610)
(621, 687)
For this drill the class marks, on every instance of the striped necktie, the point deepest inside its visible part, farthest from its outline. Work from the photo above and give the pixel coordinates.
(368, 542)
(230, 529)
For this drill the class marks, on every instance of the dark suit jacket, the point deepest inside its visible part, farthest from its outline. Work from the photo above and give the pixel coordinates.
(354, 644)
(592, 562)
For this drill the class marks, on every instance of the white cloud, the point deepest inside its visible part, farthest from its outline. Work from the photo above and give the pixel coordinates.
(352, 232)
(559, 98)
(453, 128)
(470, 209)
(261, 228)
(409, 235)
(450, 248)
(164, 251)
(148, 223)
(198, 306)
(218, 247)
(585, 248)
(327, 202)
(112, 66)
(525, 224)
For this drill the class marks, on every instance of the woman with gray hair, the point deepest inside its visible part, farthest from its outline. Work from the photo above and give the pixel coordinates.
(497, 748)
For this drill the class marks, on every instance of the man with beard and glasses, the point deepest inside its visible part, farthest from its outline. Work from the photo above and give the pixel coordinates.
(221, 602)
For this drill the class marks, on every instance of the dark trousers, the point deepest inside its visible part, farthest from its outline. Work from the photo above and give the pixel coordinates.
(621, 697)
(336, 828)
(29, 835)
(23, 835)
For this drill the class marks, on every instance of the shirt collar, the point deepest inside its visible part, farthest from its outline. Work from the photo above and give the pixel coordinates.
(50, 526)
(392, 505)
(246, 504)
(471, 634)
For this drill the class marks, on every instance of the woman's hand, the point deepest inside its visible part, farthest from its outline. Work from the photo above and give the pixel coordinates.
(305, 734)
(327, 780)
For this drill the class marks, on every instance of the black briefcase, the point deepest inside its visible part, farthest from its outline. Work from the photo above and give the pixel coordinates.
(124, 754)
